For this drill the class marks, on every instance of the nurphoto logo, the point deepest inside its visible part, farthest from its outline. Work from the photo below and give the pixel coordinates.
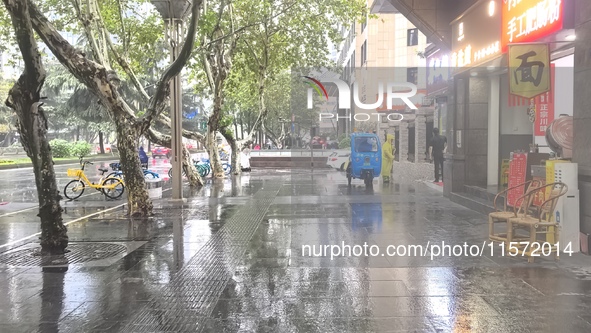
(344, 90)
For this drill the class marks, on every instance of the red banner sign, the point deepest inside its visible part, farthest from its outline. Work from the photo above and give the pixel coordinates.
(517, 175)
(529, 20)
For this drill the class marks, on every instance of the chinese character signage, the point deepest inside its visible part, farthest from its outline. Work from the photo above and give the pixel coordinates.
(544, 110)
(438, 73)
(529, 69)
(517, 175)
(472, 44)
(530, 20)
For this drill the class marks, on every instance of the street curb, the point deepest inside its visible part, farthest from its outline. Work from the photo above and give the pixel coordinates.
(63, 162)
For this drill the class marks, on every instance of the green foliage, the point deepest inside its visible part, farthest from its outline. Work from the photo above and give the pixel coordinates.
(63, 148)
(60, 148)
(80, 149)
(344, 142)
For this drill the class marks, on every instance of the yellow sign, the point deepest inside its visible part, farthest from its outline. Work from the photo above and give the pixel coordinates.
(550, 174)
(529, 69)
(505, 173)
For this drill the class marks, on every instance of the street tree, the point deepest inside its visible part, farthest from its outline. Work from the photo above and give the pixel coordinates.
(218, 44)
(25, 99)
(101, 78)
(286, 34)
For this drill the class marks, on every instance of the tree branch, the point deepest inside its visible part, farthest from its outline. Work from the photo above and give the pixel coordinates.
(174, 68)
(85, 20)
(164, 120)
(120, 60)
(123, 39)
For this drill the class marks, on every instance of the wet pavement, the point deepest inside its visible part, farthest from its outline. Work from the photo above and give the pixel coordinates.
(231, 258)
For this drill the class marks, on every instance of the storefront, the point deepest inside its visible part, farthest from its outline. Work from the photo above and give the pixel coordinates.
(486, 122)
(438, 75)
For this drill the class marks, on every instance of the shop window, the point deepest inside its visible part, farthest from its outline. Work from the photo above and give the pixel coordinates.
(412, 75)
(412, 37)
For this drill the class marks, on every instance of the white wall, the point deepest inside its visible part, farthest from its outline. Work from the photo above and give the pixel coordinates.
(564, 80)
(514, 119)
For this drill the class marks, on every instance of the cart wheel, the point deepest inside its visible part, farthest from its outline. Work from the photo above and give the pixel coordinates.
(368, 182)
(74, 189)
(170, 173)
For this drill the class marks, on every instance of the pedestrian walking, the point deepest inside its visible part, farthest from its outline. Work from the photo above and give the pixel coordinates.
(387, 158)
(437, 147)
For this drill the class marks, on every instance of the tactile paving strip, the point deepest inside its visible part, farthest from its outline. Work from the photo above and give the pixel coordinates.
(189, 298)
(79, 253)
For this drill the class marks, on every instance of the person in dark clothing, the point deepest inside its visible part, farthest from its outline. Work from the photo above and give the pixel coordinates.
(143, 158)
(437, 146)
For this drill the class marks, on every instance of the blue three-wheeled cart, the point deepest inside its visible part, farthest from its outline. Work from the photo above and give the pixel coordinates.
(366, 158)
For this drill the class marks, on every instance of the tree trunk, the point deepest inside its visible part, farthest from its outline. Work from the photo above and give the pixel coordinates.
(24, 98)
(101, 142)
(212, 146)
(8, 139)
(77, 133)
(139, 202)
(241, 128)
(188, 167)
(214, 156)
(236, 148)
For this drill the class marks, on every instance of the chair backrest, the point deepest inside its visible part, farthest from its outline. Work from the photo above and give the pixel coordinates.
(546, 209)
(520, 203)
(524, 205)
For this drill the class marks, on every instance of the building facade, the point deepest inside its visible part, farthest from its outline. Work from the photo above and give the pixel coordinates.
(484, 121)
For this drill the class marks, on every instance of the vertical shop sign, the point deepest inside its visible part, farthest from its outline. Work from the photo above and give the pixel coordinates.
(517, 175)
(545, 109)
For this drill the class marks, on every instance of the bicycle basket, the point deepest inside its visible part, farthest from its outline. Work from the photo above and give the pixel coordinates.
(74, 172)
(115, 166)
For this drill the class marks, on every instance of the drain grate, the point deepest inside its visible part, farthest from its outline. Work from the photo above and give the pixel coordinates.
(79, 253)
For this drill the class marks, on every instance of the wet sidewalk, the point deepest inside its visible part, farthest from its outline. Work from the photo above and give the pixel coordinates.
(232, 259)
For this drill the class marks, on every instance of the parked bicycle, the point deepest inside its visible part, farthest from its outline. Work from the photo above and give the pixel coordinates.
(111, 187)
(119, 174)
(204, 168)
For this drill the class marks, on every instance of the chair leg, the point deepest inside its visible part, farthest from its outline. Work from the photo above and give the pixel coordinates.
(556, 239)
(509, 236)
(491, 228)
(533, 233)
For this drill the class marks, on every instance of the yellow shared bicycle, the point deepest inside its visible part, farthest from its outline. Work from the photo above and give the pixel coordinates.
(111, 187)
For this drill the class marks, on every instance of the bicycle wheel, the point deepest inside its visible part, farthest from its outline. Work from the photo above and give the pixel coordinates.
(202, 170)
(150, 175)
(74, 189)
(112, 188)
(170, 173)
(227, 168)
(116, 174)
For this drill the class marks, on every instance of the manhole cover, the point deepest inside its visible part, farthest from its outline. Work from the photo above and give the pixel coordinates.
(79, 253)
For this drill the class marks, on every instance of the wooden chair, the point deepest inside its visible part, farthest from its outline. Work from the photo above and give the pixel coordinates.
(502, 216)
(542, 223)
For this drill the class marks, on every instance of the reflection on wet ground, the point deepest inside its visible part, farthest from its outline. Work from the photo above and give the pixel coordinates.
(230, 259)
